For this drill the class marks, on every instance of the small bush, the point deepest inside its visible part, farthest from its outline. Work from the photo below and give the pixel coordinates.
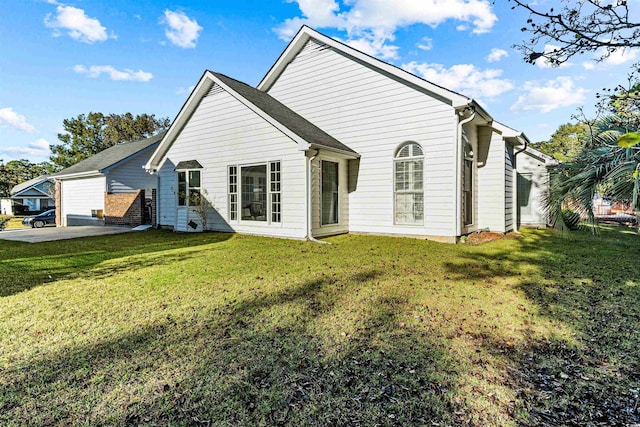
(4, 220)
(571, 219)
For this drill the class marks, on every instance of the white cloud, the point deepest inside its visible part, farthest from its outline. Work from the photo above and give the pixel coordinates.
(425, 44)
(181, 30)
(550, 95)
(9, 118)
(619, 57)
(463, 78)
(497, 54)
(372, 23)
(543, 62)
(95, 71)
(77, 24)
(183, 90)
(38, 148)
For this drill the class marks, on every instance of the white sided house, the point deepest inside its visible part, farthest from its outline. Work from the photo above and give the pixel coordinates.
(333, 141)
(109, 187)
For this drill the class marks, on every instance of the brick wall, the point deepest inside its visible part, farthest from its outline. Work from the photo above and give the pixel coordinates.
(57, 197)
(124, 209)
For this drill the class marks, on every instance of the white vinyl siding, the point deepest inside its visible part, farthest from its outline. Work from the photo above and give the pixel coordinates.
(530, 208)
(223, 132)
(131, 176)
(81, 196)
(373, 113)
(490, 201)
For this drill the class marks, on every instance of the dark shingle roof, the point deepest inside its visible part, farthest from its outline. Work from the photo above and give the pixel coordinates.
(32, 182)
(188, 164)
(110, 156)
(284, 115)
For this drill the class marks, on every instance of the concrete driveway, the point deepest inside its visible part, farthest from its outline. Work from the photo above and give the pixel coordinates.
(48, 234)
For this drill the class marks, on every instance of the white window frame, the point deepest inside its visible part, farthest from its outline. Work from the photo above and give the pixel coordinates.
(188, 189)
(231, 193)
(407, 159)
(336, 193)
(270, 193)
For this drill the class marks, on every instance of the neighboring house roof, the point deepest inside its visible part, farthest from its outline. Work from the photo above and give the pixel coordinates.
(101, 162)
(305, 33)
(30, 184)
(305, 133)
(540, 155)
(515, 136)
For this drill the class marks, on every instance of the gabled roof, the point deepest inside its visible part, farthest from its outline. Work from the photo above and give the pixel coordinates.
(101, 162)
(32, 183)
(296, 127)
(305, 33)
(515, 136)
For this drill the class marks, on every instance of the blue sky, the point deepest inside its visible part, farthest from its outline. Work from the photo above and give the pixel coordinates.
(61, 59)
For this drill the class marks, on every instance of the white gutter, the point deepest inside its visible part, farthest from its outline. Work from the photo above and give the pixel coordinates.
(310, 201)
(457, 170)
(78, 175)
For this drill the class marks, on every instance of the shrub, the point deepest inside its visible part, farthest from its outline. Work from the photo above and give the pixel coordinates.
(4, 220)
(571, 219)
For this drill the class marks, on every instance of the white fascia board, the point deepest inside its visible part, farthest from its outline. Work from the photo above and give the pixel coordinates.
(203, 86)
(346, 154)
(305, 33)
(78, 175)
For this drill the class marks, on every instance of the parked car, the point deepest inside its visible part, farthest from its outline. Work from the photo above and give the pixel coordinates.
(39, 221)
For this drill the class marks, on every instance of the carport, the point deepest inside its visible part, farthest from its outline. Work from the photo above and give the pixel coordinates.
(49, 234)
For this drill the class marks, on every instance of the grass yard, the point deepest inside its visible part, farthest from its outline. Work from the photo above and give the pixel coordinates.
(162, 328)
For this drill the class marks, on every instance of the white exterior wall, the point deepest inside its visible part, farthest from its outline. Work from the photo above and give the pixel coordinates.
(131, 176)
(80, 196)
(6, 207)
(224, 132)
(373, 114)
(491, 180)
(529, 164)
(343, 196)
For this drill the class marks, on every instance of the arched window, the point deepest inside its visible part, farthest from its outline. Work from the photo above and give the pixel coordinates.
(408, 184)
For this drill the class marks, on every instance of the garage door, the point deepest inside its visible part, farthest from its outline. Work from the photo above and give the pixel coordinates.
(80, 199)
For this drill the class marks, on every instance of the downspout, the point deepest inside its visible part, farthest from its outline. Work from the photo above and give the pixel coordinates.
(310, 201)
(457, 168)
(514, 180)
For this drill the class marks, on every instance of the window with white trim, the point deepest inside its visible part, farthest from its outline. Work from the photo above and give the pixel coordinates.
(189, 188)
(233, 193)
(329, 192)
(254, 192)
(408, 166)
(274, 192)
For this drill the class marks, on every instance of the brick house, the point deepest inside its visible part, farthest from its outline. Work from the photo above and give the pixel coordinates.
(108, 188)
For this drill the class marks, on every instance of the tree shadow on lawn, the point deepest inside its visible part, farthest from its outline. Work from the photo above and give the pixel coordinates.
(27, 265)
(249, 362)
(589, 285)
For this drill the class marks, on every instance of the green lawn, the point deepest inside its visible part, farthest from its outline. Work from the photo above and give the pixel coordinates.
(162, 328)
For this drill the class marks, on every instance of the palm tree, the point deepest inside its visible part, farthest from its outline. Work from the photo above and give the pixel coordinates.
(602, 167)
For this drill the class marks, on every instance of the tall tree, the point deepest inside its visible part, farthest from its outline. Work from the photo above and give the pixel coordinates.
(577, 27)
(86, 135)
(17, 171)
(566, 142)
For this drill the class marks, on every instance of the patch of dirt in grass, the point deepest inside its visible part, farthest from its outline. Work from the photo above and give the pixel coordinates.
(481, 237)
